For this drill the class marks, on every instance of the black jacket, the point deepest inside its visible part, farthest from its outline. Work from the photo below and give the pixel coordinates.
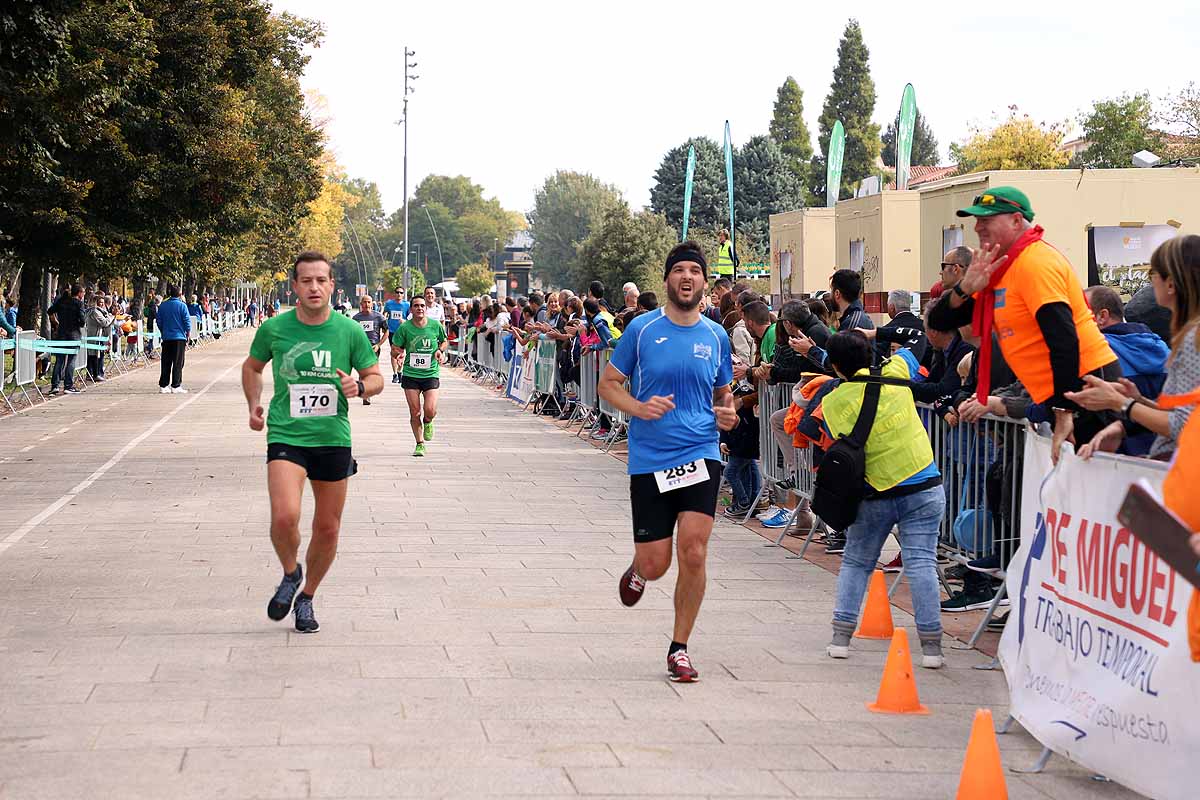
(788, 365)
(69, 313)
(943, 378)
(907, 330)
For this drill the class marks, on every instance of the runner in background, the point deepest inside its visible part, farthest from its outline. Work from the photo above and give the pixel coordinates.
(420, 344)
(396, 311)
(312, 352)
(373, 324)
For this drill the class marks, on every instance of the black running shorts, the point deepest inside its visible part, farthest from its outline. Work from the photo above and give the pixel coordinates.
(654, 513)
(419, 384)
(321, 463)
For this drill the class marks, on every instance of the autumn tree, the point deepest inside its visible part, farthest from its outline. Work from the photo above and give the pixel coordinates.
(1016, 143)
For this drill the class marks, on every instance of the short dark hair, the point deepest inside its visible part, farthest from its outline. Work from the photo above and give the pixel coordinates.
(591, 306)
(848, 283)
(647, 301)
(537, 298)
(849, 351)
(310, 257)
(756, 312)
(739, 287)
(1105, 297)
(174, 290)
(76, 288)
(747, 297)
(510, 302)
(962, 256)
(596, 289)
(722, 283)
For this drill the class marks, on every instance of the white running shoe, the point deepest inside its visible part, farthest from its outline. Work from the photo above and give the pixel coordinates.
(770, 512)
(179, 390)
(164, 390)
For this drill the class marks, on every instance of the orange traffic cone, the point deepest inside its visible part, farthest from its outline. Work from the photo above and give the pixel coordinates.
(982, 776)
(898, 689)
(876, 622)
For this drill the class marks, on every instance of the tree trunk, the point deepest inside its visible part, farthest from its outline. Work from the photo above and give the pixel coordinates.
(139, 297)
(189, 288)
(29, 304)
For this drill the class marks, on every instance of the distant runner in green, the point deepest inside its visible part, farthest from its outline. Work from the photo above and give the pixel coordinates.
(420, 345)
(312, 351)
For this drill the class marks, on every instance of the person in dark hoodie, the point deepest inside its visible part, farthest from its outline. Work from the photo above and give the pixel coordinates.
(1143, 356)
(904, 330)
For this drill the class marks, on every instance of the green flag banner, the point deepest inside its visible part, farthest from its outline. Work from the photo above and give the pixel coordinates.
(729, 177)
(904, 136)
(833, 164)
(687, 189)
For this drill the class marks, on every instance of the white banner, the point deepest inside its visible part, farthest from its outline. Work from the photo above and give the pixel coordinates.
(1096, 651)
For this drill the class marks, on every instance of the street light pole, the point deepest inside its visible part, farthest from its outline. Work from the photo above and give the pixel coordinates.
(407, 90)
(441, 266)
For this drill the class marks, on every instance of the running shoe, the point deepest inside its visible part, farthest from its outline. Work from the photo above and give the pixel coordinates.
(787, 484)
(895, 565)
(306, 621)
(835, 544)
(989, 565)
(179, 390)
(780, 520)
(366, 401)
(281, 603)
(679, 668)
(419, 451)
(73, 390)
(736, 511)
(962, 601)
(429, 431)
(600, 435)
(164, 390)
(631, 587)
(771, 511)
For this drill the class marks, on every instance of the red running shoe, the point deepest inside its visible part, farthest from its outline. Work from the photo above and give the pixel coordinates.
(631, 587)
(679, 668)
(895, 565)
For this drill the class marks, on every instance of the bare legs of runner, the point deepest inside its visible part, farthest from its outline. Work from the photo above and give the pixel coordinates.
(651, 560)
(418, 417)
(286, 485)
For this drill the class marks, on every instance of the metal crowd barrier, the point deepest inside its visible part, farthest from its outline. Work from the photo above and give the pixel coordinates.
(588, 400)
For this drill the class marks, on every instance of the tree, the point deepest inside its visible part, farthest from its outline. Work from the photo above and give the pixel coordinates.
(710, 203)
(924, 145)
(1115, 129)
(1016, 143)
(458, 193)
(763, 185)
(789, 130)
(565, 211)
(475, 279)
(851, 99)
(626, 247)
(1181, 117)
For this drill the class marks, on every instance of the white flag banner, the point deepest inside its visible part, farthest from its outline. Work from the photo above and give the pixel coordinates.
(1096, 650)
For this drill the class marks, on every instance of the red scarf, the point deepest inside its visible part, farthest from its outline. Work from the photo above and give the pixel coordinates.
(985, 312)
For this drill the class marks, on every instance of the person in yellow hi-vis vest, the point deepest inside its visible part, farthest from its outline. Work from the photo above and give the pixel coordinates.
(727, 259)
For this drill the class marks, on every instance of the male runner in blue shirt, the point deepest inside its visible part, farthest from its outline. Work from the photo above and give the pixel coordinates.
(679, 366)
(396, 311)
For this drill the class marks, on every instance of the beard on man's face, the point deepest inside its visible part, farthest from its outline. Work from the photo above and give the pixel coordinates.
(693, 297)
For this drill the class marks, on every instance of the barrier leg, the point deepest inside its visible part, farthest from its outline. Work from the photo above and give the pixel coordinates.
(807, 541)
(1039, 765)
(896, 583)
(987, 617)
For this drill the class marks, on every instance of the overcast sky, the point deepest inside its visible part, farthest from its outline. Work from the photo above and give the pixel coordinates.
(510, 92)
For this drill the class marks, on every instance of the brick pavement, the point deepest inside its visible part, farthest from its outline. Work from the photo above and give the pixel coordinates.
(467, 647)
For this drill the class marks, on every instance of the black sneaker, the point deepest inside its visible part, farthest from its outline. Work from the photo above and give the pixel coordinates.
(996, 623)
(281, 603)
(306, 622)
(962, 601)
(956, 573)
(835, 544)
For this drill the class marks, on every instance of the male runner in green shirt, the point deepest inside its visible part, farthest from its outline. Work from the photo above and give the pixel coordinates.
(313, 351)
(421, 346)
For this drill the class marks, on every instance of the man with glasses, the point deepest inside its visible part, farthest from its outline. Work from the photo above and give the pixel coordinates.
(396, 311)
(954, 266)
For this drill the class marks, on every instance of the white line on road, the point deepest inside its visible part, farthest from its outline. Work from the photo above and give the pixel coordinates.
(49, 510)
(27, 448)
(63, 430)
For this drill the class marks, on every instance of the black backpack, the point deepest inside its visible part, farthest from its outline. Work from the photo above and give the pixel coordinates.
(841, 483)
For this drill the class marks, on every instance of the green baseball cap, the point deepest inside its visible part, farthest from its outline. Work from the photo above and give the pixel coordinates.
(1000, 200)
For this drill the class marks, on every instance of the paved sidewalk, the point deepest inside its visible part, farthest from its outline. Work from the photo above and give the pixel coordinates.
(467, 647)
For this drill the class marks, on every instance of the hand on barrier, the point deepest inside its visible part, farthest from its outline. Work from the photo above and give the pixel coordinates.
(971, 410)
(349, 385)
(257, 420)
(1106, 441)
(951, 418)
(727, 418)
(656, 407)
(1064, 426)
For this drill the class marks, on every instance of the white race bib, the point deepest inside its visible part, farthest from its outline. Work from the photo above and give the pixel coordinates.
(314, 400)
(397, 315)
(420, 360)
(687, 474)
(368, 325)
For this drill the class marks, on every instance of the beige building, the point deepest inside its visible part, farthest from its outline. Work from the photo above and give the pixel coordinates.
(880, 236)
(802, 251)
(1105, 221)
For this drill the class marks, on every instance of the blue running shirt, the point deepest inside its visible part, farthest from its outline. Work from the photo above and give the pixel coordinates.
(396, 312)
(662, 358)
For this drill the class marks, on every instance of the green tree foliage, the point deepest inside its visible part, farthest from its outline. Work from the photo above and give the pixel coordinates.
(565, 211)
(475, 279)
(924, 146)
(851, 99)
(1016, 143)
(763, 185)
(790, 131)
(710, 203)
(1181, 117)
(625, 247)
(394, 276)
(1116, 129)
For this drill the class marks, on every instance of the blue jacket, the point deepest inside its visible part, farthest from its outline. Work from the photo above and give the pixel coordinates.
(195, 310)
(174, 321)
(1143, 356)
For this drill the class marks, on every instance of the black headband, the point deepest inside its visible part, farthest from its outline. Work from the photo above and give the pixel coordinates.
(685, 255)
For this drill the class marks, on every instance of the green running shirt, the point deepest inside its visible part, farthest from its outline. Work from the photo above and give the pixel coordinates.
(419, 346)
